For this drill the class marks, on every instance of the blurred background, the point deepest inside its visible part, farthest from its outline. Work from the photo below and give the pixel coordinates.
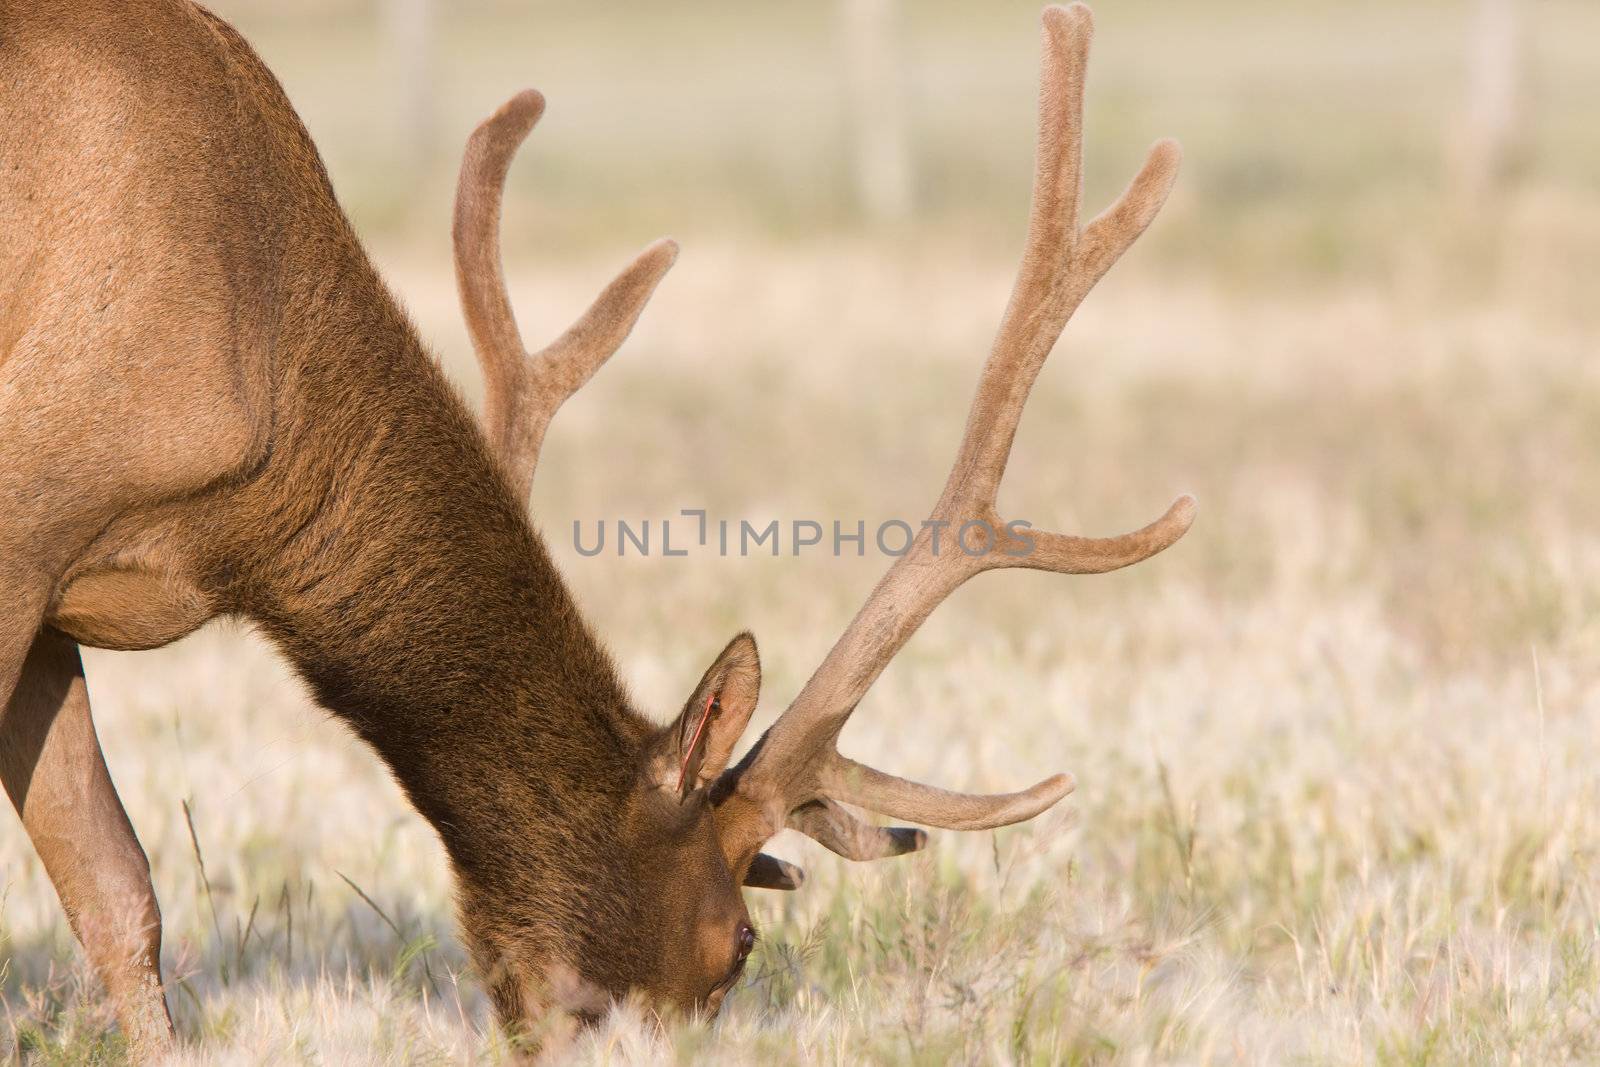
(1326, 140)
(1335, 748)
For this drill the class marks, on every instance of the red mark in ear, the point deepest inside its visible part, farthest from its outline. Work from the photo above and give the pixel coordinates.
(694, 742)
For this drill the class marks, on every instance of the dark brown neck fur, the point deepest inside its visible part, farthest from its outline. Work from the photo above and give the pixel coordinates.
(381, 549)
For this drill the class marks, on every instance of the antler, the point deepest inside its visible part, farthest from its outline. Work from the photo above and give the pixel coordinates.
(522, 390)
(795, 774)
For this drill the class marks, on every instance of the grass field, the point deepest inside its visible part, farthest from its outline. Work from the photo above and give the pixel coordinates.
(1336, 749)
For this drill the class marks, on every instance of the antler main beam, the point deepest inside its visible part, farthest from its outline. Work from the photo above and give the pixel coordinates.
(522, 390)
(796, 763)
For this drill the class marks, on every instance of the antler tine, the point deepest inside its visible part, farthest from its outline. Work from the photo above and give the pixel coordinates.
(856, 783)
(769, 872)
(522, 390)
(796, 764)
(841, 832)
(480, 276)
(1060, 265)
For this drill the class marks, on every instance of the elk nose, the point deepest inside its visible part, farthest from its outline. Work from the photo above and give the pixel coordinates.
(747, 940)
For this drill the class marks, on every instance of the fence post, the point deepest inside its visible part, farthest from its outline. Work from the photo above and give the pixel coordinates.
(1496, 109)
(409, 28)
(880, 151)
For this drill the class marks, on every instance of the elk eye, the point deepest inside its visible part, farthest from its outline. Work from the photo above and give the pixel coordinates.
(747, 940)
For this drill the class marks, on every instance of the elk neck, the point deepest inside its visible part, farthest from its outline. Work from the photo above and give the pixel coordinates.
(381, 549)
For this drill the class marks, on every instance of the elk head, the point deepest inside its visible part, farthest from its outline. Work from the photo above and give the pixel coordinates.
(636, 896)
(696, 825)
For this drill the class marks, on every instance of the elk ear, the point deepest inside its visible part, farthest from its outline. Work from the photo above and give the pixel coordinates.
(697, 747)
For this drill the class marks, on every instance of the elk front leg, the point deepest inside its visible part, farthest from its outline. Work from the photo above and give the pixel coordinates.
(53, 769)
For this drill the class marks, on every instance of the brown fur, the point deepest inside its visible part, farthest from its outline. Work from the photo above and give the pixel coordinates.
(211, 405)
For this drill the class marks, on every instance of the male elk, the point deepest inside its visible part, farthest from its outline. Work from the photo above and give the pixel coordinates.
(210, 405)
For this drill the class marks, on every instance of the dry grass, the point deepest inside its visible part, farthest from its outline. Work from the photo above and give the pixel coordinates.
(1335, 749)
